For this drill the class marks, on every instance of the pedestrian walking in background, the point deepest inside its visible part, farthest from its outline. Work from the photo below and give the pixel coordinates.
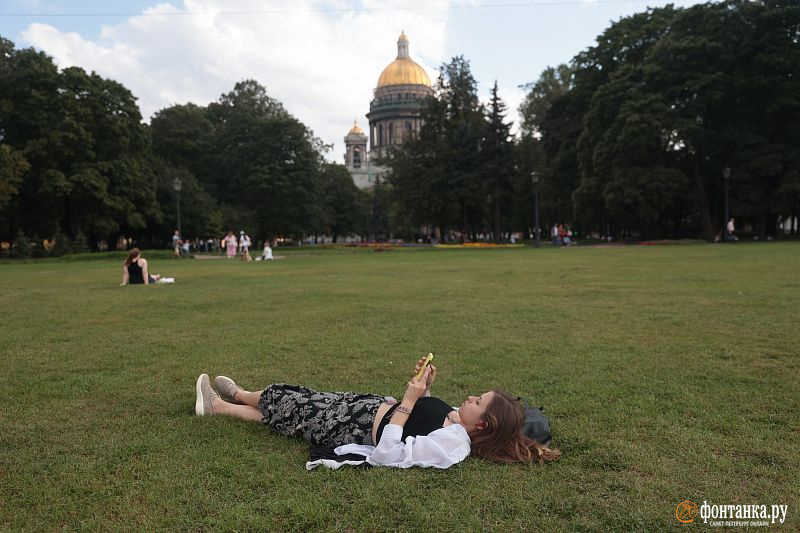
(230, 245)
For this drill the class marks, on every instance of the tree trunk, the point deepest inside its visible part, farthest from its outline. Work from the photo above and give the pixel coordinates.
(496, 219)
(700, 200)
(464, 219)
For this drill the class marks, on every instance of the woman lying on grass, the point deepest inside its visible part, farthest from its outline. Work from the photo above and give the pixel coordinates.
(419, 431)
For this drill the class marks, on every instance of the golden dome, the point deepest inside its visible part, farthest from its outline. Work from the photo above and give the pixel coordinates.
(403, 70)
(355, 129)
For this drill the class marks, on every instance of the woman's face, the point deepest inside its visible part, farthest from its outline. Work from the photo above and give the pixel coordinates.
(473, 410)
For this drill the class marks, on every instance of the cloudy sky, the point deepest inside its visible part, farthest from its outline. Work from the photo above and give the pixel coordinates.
(320, 58)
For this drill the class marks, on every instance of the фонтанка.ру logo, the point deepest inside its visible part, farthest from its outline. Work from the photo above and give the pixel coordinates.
(731, 515)
(686, 511)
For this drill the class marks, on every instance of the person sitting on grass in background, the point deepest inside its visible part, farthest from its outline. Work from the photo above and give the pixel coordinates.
(567, 236)
(266, 255)
(564, 236)
(419, 431)
(134, 270)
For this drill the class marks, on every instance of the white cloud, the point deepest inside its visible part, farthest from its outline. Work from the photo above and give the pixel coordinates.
(321, 61)
(513, 97)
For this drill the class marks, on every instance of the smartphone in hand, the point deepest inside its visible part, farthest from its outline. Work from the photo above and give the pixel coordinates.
(425, 363)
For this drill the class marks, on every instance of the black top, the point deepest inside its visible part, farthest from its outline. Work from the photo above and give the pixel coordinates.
(427, 416)
(135, 273)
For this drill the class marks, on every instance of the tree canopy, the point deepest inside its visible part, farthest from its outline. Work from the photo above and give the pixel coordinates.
(666, 100)
(456, 174)
(630, 139)
(77, 160)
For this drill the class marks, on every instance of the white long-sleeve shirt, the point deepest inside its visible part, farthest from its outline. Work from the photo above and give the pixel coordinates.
(440, 449)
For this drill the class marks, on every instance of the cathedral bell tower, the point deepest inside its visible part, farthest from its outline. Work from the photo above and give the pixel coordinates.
(355, 157)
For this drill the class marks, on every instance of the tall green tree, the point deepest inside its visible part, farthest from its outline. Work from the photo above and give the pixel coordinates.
(379, 226)
(87, 148)
(184, 136)
(497, 161)
(436, 178)
(463, 134)
(345, 206)
(184, 144)
(266, 161)
(29, 115)
(12, 167)
(549, 130)
(112, 187)
(553, 83)
(615, 183)
(667, 99)
(419, 186)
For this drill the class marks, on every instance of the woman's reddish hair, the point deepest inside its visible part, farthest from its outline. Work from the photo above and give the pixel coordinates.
(502, 439)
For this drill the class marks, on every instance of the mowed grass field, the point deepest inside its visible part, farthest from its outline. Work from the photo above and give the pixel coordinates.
(669, 373)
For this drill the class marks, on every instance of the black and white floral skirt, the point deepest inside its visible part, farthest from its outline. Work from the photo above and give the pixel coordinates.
(321, 418)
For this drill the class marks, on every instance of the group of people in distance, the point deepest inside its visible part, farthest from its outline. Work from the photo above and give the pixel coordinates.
(230, 245)
(561, 235)
(180, 247)
(135, 269)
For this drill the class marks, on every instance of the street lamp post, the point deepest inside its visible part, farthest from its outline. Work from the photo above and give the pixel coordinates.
(176, 185)
(726, 175)
(536, 230)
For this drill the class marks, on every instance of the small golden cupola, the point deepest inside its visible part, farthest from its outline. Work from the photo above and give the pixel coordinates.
(356, 129)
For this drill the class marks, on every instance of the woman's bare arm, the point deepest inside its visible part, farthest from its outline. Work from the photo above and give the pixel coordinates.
(145, 274)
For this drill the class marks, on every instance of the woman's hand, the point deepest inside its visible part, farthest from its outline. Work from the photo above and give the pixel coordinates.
(431, 375)
(416, 389)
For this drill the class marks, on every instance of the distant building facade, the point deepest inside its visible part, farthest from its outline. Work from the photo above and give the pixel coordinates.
(394, 115)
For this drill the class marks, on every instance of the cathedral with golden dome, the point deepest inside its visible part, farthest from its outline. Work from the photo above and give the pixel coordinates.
(394, 114)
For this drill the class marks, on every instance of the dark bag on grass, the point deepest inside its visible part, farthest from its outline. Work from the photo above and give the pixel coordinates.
(536, 426)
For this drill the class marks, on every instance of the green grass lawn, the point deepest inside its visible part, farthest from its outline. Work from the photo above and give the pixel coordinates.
(669, 373)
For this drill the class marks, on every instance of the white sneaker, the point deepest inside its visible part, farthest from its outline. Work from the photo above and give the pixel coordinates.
(204, 404)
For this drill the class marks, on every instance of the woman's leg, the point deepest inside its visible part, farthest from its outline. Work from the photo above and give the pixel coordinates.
(247, 398)
(243, 412)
